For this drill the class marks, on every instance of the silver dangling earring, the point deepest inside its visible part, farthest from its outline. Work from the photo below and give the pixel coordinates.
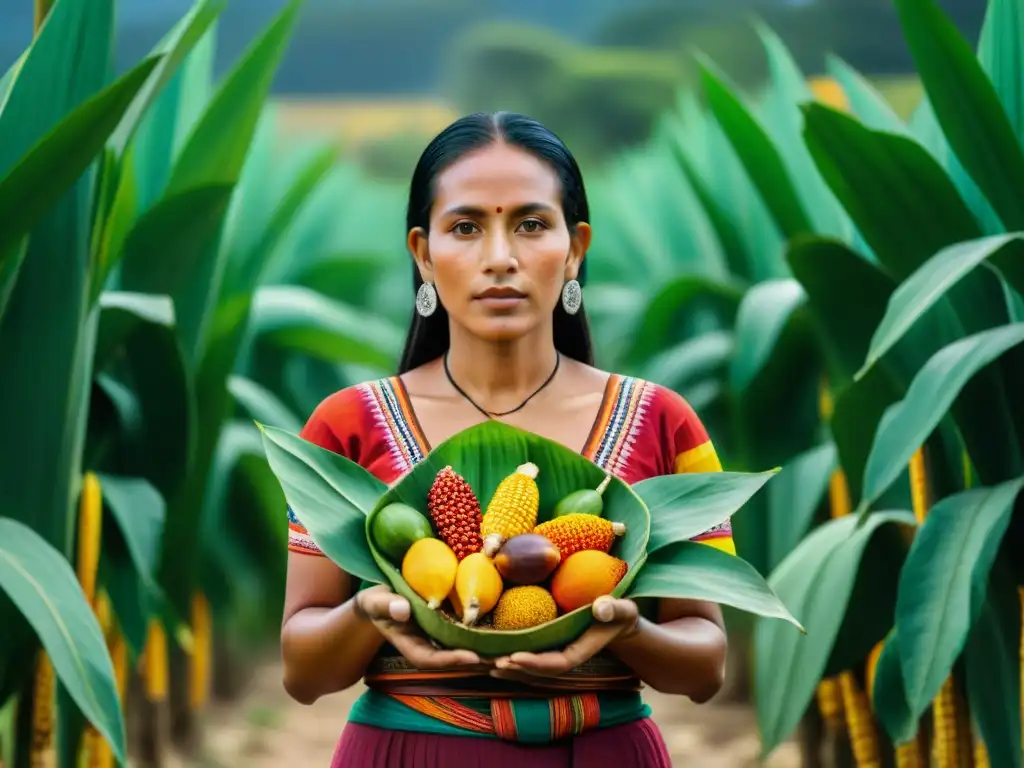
(572, 297)
(426, 300)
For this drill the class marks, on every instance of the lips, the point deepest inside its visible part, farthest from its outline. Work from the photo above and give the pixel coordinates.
(501, 293)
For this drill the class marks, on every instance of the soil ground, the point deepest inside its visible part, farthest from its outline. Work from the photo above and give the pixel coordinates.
(267, 729)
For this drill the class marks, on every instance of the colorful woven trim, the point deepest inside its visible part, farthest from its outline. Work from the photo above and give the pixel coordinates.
(527, 722)
(622, 415)
(389, 404)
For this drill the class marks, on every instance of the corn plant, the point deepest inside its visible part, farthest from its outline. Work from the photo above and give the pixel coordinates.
(915, 319)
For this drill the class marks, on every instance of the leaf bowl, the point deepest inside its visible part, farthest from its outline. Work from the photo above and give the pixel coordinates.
(484, 455)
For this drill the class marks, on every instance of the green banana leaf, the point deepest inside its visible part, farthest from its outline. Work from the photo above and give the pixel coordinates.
(795, 496)
(1000, 54)
(10, 266)
(865, 101)
(816, 582)
(262, 405)
(40, 582)
(956, 85)
(761, 319)
(933, 391)
(943, 582)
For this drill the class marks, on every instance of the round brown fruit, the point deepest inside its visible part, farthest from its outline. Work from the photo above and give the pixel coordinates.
(528, 558)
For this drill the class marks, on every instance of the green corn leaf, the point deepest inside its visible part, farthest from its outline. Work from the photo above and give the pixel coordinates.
(957, 86)
(758, 154)
(690, 570)
(122, 311)
(671, 304)
(1002, 57)
(898, 196)
(687, 505)
(679, 366)
(40, 582)
(919, 292)
(992, 656)
(889, 696)
(931, 394)
(262, 405)
(36, 180)
(7, 81)
(794, 496)
(10, 266)
(303, 320)
(943, 583)
(865, 101)
(763, 314)
(140, 511)
(330, 495)
(815, 582)
(172, 50)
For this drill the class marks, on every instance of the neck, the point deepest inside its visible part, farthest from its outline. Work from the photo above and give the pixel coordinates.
(499, 377)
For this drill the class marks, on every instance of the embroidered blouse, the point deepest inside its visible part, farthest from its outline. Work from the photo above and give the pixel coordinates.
(642, 430)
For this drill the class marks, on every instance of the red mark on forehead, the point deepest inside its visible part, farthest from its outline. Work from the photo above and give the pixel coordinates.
(500, 209)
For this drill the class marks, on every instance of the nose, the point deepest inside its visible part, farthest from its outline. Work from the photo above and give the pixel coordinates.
(499, 253)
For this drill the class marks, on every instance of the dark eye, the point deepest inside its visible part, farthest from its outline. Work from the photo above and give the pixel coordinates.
(532, 225)
(465, 228)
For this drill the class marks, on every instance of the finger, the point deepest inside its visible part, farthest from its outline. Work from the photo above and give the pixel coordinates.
(423, 655)
(384, 604)
(609, 610)
(543, 664)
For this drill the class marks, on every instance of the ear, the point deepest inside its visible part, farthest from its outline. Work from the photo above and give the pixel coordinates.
(417, 244)
(578, 247)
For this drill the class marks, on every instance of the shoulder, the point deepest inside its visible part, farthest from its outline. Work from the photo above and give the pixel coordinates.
(673, 423)
(346, 413)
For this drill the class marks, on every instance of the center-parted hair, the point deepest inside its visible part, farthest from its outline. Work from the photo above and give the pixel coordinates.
(429, 337)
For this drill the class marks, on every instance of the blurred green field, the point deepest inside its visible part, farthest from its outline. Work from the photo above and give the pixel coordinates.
(829, 270)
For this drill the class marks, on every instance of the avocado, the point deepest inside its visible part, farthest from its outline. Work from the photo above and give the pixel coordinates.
(585, 502)
(397, 527)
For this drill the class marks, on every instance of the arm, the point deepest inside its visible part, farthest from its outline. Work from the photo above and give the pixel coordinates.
(326, 643)
(682, 653)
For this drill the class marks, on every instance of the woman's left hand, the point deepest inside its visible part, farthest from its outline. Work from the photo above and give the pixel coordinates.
(614, 619)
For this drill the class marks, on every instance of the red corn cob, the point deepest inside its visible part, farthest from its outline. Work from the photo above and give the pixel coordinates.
(455, 512)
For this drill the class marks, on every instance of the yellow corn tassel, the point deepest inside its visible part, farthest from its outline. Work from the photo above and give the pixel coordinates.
(830, 703)
(513, 508)
(154, 659)
(202, 633)
(860, 722)
(90, 530)
(44, 716)
(919, 493)
(839, 494)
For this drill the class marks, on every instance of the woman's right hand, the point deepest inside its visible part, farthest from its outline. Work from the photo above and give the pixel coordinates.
(391, 614)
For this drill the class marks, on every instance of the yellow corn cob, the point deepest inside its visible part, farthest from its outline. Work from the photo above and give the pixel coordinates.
(202, 633)
(43, 752)
(513, 508)
(860, 722)
(830, 703)
(155, 662)
(980, 753)
(574, 532)
(839, 494)
(919, 493)
(910, 755)
(871, 667)
(944, 716)
(90, 530)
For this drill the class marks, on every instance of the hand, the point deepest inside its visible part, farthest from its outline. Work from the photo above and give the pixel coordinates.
(616, 619)
(390, 614)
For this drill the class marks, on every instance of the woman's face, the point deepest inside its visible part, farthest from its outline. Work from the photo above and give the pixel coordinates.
(499, 249)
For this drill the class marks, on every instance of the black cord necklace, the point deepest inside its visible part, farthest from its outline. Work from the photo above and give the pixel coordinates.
(490, 414)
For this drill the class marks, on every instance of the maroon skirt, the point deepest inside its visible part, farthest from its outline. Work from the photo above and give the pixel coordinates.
(635, 745)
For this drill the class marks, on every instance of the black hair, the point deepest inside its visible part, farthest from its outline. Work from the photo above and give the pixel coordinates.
(429, 337)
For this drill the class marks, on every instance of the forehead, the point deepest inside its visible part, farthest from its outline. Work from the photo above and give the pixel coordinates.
(498, 174)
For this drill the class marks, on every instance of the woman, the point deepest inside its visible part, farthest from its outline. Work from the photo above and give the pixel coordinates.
(497, 225)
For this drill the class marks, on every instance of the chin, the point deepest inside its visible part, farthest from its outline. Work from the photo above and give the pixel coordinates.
(502, 330)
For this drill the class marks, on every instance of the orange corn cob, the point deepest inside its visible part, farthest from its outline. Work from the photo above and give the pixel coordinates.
(575, 532)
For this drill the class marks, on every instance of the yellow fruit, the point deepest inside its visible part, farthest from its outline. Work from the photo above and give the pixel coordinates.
(577, 531)
(524, 607)
(585, 576)
(513, 508)
(429, 567)
(478, 586)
